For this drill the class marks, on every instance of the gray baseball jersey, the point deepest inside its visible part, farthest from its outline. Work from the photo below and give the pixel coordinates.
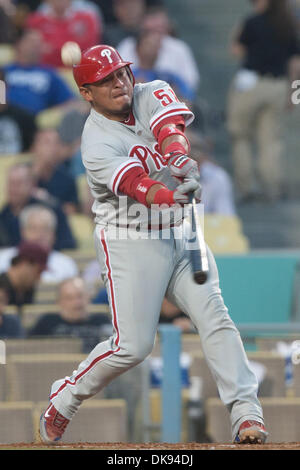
(110, 148)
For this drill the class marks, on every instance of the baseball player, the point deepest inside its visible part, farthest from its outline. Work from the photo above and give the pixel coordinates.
(135, 153)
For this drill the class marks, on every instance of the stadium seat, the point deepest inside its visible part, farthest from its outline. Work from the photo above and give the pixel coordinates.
(275, 373)
(7, 54)
(96, 421)
(223, 234)
(30, 376)
(43, 346)
(3, 382)
(281, 416)
(296, 383)
(16, 422)
(82, 227)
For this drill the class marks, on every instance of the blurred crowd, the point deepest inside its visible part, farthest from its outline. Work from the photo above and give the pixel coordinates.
(43, 117)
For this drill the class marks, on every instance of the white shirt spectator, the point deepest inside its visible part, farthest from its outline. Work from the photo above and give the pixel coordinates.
(217, 191)
(59, 265)
(175, 56)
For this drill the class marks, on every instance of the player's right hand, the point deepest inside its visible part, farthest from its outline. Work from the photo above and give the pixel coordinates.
(181, 193)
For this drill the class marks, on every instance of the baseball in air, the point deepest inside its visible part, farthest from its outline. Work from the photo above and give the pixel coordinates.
(70, 53)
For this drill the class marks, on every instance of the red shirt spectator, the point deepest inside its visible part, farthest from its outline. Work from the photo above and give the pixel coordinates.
(60, 22)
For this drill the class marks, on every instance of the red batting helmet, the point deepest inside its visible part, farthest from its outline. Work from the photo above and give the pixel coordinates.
(96, 63)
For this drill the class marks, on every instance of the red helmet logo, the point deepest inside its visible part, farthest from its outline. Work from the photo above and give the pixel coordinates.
(96, 63)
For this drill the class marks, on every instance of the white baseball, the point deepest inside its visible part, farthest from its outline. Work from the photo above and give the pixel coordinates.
(70, 53)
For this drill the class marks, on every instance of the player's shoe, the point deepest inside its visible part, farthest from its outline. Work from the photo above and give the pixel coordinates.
(251, 432)
(52, 425)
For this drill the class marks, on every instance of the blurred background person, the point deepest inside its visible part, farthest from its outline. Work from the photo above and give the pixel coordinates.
(33, 86)
(17, 128)
(170, 313)
(175, 54)
(22, 277)
(267, 46)
(74, 319)
(20, 191)
(50, 175)
(10, 324)
(128, 15)
(217, 187)
(38, 224)
(7, 27)
(148, 46)
(64, 21)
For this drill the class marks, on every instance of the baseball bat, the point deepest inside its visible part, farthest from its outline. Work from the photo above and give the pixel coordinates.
(198, 256)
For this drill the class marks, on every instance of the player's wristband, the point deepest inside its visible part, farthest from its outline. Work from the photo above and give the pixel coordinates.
(174, 149)
(163, 196)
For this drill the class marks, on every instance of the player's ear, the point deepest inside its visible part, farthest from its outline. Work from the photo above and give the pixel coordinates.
(86, 93)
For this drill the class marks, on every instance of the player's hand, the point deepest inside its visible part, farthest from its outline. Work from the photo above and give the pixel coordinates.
(181, 166)
(181, 193)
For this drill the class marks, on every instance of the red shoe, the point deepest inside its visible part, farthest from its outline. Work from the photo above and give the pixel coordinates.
(251, 432)
(52, 425)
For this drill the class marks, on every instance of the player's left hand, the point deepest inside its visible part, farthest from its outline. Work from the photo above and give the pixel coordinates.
(181, 166)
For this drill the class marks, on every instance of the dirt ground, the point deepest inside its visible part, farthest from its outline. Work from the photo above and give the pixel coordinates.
(193, 446)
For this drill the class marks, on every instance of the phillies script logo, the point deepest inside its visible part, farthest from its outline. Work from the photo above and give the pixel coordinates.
(148, 157)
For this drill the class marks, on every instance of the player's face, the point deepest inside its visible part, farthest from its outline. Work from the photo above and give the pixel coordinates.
(111, 96)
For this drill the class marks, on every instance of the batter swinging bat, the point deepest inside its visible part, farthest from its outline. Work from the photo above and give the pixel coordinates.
(199, 259)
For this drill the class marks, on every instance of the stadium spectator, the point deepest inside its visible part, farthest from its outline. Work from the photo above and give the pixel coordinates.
(17, 128)
(170, 313)
(60, 21)
(51, 176)
(7, 28)
(38, 225)
(267, 47)
(148, 45)
(175, 55)
(69, 130)
(74, 318)
(10, 324)
(217, 188)
(21, 279)
(20, 193)
(129, 14)
(33, 86)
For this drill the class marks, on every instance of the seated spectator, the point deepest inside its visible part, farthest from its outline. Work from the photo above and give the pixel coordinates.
(148, 46)
(33, 86)
(7, 27)
(129, 14)
(70, 130)
(20, 193)
(10, 325)
(175, 55)
(50, 174)
(17, 128)
(172, 314)
(217, 188)
(21, 279)
(62, 21)
(74, 319)
(38, 225)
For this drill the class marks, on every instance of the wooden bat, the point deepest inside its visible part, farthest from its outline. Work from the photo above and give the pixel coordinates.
(198, 256)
